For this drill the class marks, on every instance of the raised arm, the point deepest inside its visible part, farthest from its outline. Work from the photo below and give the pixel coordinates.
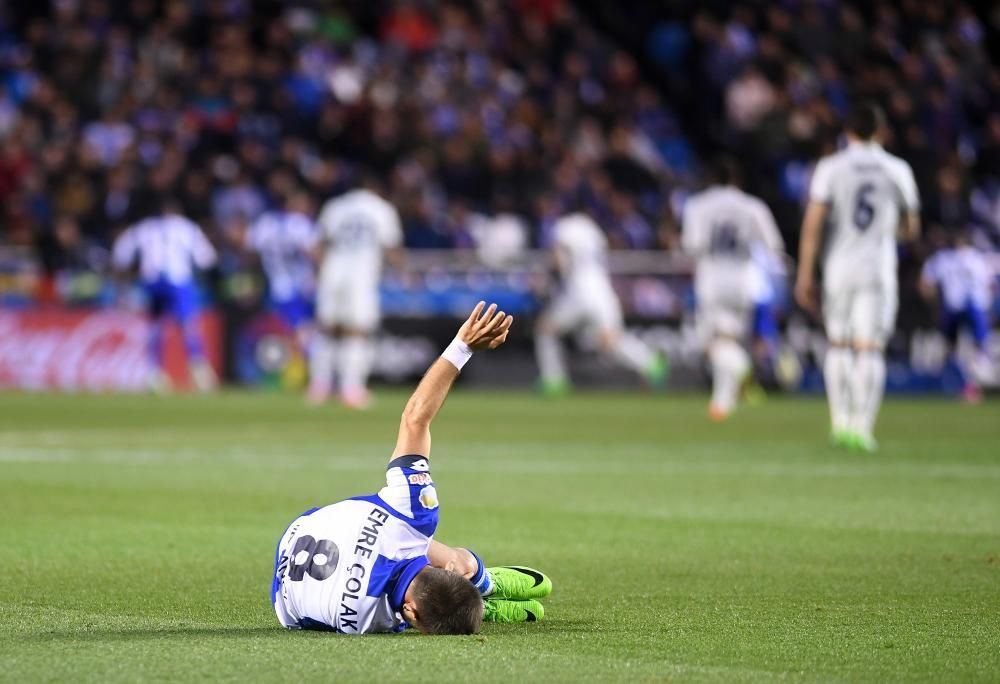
(480, 331)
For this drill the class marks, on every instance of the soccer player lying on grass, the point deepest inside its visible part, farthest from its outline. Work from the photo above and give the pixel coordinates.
(369, 563)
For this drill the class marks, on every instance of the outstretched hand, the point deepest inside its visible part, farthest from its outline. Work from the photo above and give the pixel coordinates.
(485, 330)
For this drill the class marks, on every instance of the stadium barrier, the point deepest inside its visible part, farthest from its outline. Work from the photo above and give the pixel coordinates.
(91, 350)
(105, 349)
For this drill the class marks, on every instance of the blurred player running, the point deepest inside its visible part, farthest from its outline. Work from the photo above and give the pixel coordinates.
(587, 299)
(169, 247)
(355, 230)
(868, 195)
(723, 227)
(370, 563)
(960, 280)
(285, 239)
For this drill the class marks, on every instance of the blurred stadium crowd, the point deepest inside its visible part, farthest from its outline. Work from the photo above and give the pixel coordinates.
(519, 109)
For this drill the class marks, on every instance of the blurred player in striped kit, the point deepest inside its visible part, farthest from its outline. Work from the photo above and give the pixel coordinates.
(960, 280)
(285, 240)
(169, 249)
(869, 196)
(724, 227)
(356, 230)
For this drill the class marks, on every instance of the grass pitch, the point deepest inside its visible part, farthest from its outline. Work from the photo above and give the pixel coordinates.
(138, 534)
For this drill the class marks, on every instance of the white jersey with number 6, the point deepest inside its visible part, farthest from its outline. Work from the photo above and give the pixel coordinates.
(867, 189)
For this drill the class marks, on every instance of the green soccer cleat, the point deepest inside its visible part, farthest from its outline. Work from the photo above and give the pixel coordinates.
(659, 369)
(554, 388)
(508, 611)
(864, 444)
(842, 439)
(518, 582)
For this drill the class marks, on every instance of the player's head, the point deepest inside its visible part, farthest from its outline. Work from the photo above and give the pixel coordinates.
(725, 171)
(443, 602)
(369, 179)
(865, 121)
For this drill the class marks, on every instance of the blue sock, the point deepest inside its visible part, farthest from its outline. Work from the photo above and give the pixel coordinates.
(481, 580)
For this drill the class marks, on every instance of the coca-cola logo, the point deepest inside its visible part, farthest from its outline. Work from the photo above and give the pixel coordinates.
(73, 351)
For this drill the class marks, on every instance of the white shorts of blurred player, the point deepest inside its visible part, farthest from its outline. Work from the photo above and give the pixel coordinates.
(594, 306)
(863, 314)
(347, 304)
(724, 309)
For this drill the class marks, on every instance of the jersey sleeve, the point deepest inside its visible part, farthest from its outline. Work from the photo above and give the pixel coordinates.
(907, 187)
(124, 249)
(820, 187)
(306, 233)
(391, 229)
(690, 227)
(202, 250)
(409, 488)
(768, 227)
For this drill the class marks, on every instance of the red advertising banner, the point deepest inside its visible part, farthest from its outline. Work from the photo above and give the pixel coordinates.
(91, 350)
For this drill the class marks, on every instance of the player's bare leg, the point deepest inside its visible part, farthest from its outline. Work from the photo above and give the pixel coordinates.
(837, 370)
(551, 358)
(322, 359)
(867, 386)
(730, 365)
(356, 356)
(634, 354)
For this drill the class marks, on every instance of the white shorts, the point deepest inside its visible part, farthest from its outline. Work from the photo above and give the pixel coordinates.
(724, 307)
(860, 313)
(721, 319)
(597, 307)
(347, 304)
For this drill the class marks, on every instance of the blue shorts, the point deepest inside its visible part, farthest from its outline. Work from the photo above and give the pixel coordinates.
(168, 299)
(293, 311)
(765, 325)
(972, 317)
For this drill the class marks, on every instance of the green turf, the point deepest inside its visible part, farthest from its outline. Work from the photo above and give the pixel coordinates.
(137, 539)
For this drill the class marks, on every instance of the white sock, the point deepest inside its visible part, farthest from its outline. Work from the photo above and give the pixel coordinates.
(355, 363)
(867, 386)
(730, 363)
(837, 370)
(322, 356)
(549, 354)
(633, 353)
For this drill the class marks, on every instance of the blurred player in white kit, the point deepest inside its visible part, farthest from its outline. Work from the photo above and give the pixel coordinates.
(723, 227)
(356, 229)
(868, 195)
(961, 280)
(285, 239)
(169, 248)
(587, 299)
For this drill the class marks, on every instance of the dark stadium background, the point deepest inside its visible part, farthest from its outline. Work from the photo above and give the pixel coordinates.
(481, 110)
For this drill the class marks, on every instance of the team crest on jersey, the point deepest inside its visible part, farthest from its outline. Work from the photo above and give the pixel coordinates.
(420, 479)
(429, 497)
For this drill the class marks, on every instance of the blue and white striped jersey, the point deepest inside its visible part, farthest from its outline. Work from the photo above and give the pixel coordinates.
(284, 241)
(168, 247)
(346, 567)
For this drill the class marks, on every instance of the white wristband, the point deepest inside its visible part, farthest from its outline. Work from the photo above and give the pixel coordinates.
(458, 353)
